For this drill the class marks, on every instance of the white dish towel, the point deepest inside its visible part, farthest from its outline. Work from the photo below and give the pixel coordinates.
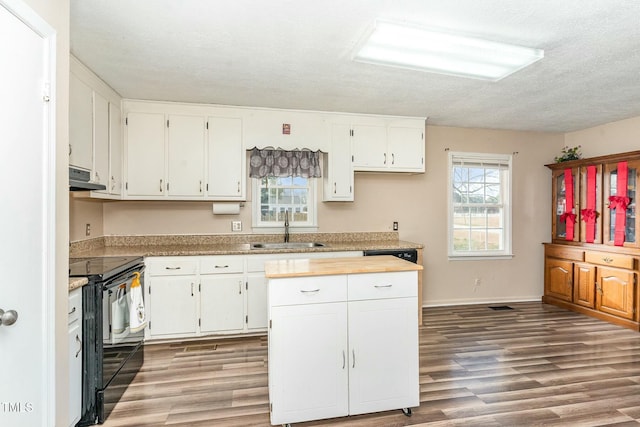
(137, 314)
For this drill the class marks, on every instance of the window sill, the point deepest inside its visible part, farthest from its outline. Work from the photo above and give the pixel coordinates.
(479, 257)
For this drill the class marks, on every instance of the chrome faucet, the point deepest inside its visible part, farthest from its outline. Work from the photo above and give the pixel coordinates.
(286, 226)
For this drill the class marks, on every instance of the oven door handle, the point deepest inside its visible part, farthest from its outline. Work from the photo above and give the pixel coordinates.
(118, 280)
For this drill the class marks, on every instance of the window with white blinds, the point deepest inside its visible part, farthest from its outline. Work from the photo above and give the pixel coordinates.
(479, 205)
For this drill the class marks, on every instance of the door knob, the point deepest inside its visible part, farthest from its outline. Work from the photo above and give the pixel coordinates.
(8, 318)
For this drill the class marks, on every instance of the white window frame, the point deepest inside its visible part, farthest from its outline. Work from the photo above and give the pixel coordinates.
(456, 158)
(310, 225)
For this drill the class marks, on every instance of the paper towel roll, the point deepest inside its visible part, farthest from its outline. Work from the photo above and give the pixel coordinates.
(226, 208)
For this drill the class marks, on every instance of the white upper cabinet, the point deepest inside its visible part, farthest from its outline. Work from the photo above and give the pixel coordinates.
(95, 129)
(101, 139)
(145, 154)
(115, 150)
(338, 170)
(391, 145)
(185, 173)
(226, 159)
(80, 123)
(369, 145)
(406, 147)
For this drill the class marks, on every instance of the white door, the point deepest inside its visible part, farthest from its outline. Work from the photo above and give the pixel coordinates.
(308, 362)
(384, 366)
(27, 255)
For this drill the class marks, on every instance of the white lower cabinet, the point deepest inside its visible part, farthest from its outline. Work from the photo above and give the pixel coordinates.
(256, 288)
(173, 305)
(222, 303)
(75, 355)
(342, 345)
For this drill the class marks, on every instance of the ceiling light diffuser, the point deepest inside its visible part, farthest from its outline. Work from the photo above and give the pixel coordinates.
(422, 49)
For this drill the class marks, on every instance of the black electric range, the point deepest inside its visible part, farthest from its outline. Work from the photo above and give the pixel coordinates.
(112, 351)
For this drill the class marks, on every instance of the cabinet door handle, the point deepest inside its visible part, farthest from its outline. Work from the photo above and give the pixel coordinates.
(221, 266)
(344, 359)
(191, 288)
(607, 260)
(79, 341)
(353, 353)
(385, 158)
(72, 310)
(172, 268)
(309, 291)
(161, 185)
(334, 188)
(393, 159)
(201, 186)
(240, 287)
(238, 187)
(383, 286)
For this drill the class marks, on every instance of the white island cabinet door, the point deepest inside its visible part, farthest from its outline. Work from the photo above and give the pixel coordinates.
(308, 364)
(383, 347)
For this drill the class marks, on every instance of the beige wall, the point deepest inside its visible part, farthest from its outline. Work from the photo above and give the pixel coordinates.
(615, 137)
(418, 202)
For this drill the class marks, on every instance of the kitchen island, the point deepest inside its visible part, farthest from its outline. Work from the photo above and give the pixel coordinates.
(343, 337)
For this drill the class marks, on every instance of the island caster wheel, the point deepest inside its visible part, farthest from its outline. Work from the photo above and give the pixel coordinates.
(406, 412)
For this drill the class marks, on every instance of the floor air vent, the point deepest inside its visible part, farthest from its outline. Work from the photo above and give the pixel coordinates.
(501, 307)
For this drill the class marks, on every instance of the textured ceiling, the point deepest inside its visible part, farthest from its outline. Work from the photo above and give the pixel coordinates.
(296, 54)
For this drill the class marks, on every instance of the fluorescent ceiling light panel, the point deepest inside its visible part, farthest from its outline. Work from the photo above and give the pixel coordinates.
(433, 51)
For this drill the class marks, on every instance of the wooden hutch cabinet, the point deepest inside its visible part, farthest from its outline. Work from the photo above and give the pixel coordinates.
(592, 263)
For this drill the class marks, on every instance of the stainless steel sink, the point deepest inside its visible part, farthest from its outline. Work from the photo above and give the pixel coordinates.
(287, 245)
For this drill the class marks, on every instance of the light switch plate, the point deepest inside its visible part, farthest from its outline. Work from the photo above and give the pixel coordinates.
(236, 225)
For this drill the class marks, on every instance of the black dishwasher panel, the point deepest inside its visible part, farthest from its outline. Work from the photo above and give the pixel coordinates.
(410, 255)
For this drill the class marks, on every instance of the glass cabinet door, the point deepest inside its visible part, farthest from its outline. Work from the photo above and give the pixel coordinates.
(611, 188)
(596, 224)
(559, 220)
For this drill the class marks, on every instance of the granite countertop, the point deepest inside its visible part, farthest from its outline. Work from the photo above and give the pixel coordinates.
(331, 266)
(77, 282)
(233, 245)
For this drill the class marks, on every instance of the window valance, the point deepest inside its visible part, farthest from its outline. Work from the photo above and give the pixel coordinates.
(272, 162)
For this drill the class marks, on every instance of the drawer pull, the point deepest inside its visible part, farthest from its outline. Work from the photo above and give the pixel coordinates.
(383, 286)
(607, 260)
(173, 268)
(353, 352)
(309, 291)
(344, 359)
(72, 311)
(221, 266)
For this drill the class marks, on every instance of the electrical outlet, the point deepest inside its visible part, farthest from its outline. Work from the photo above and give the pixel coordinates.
(395, 225)
(87, 230)
(236, 225)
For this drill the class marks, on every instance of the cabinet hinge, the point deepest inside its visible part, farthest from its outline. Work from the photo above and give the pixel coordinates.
(149, 289)
(149, 324)
(352, 158)
(351, 132)
(246, 319)
(167, 122)
(423, 160)
(109, 329)
(246, 285)
(350, 189)
(270, 324)
(207, 186)
(199, 322)
(270, 407)
(199, 287)
(207, 125)
(126, 185)
(167, 186)
(126, 121)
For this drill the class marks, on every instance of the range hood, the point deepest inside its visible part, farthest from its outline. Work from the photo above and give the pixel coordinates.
(79, 180)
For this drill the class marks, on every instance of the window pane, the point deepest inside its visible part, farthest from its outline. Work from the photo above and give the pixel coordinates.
(494, 239)
(476, 175)
(460, 193)
(461, 239)
(494, 218)
(492, 193)
(460, 174)
(478, 218)
(461, 217)
(478, 240)
(476, 193)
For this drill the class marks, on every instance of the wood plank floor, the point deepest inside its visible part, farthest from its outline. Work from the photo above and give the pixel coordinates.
(535, 365)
